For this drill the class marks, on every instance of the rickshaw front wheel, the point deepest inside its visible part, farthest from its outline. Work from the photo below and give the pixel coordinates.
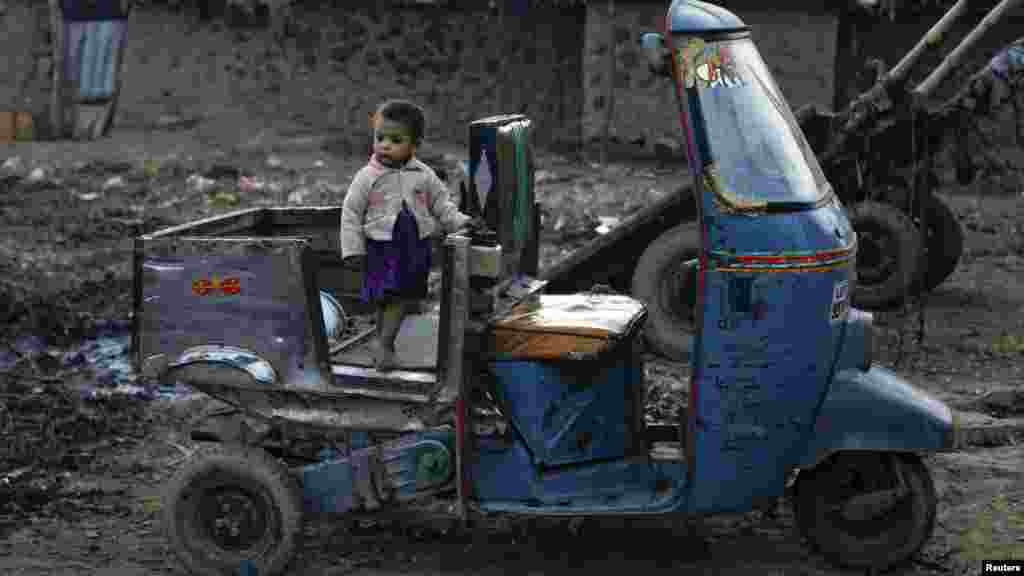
(867, 510)
(232, 507)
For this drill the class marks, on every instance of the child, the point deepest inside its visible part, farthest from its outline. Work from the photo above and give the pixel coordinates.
(391, 209)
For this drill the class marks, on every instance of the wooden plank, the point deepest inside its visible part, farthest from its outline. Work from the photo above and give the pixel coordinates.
(58, 89)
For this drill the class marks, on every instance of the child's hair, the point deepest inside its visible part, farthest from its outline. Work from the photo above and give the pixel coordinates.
(407, 114)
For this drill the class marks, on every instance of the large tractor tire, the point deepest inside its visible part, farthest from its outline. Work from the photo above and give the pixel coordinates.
(233, 507)
(944, 243)
(668, 288)
(852, 509)
(888, 255)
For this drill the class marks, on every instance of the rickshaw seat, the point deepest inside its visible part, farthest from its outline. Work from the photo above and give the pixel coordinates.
(567, 326)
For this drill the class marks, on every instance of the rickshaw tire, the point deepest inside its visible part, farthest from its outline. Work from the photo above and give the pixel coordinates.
(892, 290)
(883, 553)
(944, 243)
(665, 331)
(249, 468)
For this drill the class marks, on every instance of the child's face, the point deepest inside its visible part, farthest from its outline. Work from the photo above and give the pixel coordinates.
(392, 142)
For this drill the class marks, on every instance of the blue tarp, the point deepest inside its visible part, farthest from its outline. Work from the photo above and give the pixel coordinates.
(93, 48)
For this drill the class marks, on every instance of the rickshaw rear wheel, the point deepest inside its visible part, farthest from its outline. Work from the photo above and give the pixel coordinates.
(232, 506)
(892, 534)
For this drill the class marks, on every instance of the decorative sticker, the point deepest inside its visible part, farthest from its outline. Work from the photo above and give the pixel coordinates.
(229, 286)
(708, 65)
(840, 301)
(483, 180)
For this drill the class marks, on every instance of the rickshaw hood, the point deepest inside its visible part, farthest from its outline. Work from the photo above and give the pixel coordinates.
(693, 17)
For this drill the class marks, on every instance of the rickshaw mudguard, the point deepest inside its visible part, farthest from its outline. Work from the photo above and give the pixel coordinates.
(879, 411)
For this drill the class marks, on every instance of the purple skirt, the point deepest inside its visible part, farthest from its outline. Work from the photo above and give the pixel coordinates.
(398, 267)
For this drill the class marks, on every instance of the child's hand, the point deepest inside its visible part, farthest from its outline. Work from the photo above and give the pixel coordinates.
(356, 262)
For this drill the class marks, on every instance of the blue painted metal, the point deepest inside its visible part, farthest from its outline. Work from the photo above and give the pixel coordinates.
(327, 487)
(853, 352)
(505, 478)
(186, 301)
(766, 341)
(691, 16)
(571, 412)
(414, 465)
(765, 357)
(877, 410)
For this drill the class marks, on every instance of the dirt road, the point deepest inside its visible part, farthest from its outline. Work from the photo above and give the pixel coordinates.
(66, 264)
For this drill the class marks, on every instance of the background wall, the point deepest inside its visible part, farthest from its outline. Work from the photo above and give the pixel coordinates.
(337, 61)
(796, 39)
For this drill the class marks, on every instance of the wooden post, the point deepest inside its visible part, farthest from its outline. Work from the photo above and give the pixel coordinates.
(609, 88)
(57, 93)
(118, 76)
(502, 62)
(845, 60)
(956, 57)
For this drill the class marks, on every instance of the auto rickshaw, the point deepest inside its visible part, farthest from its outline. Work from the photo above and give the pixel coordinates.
(532, 404)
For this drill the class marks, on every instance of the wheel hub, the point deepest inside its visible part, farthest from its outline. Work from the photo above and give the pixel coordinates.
(869, 506)
(233, 518)
(874, 260)
(861, 500)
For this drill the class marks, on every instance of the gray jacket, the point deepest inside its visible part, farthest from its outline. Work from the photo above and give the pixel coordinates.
(374, 200)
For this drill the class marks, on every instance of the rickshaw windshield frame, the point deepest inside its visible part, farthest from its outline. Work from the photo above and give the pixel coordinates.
(754, 155)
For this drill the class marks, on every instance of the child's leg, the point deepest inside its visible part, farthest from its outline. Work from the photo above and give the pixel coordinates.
(389, 320)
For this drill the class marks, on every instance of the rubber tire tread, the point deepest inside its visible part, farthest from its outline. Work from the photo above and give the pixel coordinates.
(253, 465)
(666, 333)
(891, 291)
(945, 243)
(824, 538)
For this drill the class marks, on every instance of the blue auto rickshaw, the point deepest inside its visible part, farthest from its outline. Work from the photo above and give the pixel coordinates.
(532, 403)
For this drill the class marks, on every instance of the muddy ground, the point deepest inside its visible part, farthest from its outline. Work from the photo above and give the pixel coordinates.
(80, 479)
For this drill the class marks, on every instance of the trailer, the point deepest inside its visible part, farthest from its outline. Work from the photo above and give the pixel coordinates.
(878, 153)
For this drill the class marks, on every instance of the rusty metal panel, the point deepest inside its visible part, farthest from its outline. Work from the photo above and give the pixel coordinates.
(252, 293)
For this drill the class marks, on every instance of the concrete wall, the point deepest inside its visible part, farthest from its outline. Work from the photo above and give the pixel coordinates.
(17, 23)
(797, 43)
(336, 62)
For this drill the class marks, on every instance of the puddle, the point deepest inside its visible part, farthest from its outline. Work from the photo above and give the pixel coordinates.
(106, 355)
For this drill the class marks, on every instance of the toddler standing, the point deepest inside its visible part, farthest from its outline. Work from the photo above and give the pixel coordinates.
(391, 210)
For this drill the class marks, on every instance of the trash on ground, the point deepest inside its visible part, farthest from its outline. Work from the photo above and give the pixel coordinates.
(114, 183)
(223, 198)
(37, 175)
(607, 223)
(300, 195)
(88, 196)
(13, 165)
(247, 184)
(200, 184)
